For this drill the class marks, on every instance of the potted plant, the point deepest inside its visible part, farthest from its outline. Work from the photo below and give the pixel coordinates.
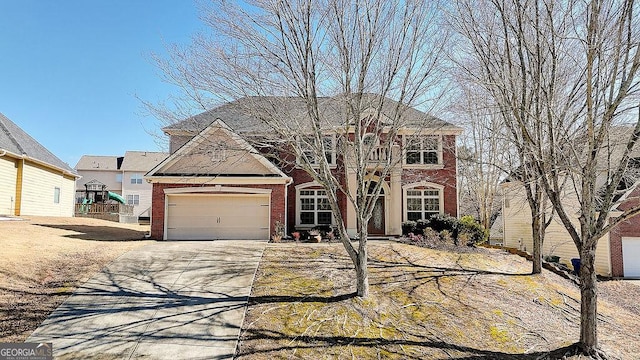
(314, 236)
(331, 236)
(296, 235)
(552, 249)
(278, 232)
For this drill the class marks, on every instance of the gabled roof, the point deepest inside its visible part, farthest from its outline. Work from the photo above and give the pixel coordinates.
(16, 141)
(142, 161)
(98, 162)
(243, 115)
(201, 137)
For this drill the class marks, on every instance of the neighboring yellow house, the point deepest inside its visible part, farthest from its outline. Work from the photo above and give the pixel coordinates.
(617, 253)
(33, 181)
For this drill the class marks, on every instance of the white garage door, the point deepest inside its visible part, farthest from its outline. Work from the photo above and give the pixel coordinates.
(631, 256)
(212, 217)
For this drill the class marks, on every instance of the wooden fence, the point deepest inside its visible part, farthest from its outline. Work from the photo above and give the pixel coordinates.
(90, 209)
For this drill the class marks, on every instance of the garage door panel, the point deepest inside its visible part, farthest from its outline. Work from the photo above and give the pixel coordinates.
(202, 217)
(190, 233)
(631, 256)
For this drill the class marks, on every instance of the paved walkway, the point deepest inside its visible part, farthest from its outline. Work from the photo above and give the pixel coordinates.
(167, 300)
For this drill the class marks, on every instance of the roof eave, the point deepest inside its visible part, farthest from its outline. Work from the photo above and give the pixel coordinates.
(4, 152)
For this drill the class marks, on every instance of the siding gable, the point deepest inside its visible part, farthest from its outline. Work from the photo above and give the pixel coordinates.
(216, 151)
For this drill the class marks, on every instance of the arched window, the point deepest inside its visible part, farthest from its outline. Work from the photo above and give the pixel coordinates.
(312, 206)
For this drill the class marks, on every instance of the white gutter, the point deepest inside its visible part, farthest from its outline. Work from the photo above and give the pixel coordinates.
(4, 152)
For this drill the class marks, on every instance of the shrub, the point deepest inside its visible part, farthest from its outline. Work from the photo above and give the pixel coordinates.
(471, 232)
(441, 222)
(421, 225)
(408, 227)
(444, 230)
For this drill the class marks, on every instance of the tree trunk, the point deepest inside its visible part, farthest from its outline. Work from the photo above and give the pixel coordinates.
(362, 272)
(589, 302)
(537, 245)
(537, 257)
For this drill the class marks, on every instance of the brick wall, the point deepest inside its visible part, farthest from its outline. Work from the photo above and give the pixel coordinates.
(628, 228)
(157, 208)
(446, 176)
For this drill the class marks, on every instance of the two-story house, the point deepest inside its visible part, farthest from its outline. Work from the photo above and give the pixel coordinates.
(618, 251)
(217, 185)
(98, 173)
(122, 175)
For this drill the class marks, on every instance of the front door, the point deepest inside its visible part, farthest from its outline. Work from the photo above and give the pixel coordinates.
(376, 223)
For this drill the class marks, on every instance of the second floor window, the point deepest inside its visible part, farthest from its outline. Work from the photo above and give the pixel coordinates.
(329, 145)
(136, 178)
(423, 151)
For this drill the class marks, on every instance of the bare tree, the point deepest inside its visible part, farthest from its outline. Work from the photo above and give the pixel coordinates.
(329, 57)
(485, 156)
(488, 62)
(565, 75)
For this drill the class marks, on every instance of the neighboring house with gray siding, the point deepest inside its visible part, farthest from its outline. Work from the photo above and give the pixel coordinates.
(33, 181)
(121, 175)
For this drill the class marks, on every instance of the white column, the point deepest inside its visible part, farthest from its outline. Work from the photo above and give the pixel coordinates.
(351, 210)
(395, 212)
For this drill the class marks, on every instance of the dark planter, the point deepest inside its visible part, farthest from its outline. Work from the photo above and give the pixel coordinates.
(576, 266)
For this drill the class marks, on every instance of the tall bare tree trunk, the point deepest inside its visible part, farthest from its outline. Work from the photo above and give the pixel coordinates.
(538, 236)
(589, 303)
(361, 269)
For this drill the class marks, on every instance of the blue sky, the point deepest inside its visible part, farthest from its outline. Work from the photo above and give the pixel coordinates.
(70, 71)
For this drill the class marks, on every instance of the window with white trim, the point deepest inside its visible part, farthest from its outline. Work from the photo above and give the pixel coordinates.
(329, 144)
(423, 151)
(136, 178)
(133, 199)
(314, 208)
(56, 195)
(422, 203)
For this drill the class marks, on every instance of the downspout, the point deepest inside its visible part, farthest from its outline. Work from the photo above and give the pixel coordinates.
(3, 152)
(17, 207)
(455, 148)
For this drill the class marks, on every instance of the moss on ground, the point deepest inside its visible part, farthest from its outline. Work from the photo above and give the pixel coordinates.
(423, 304)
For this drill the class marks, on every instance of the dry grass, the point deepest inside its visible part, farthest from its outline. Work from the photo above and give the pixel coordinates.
(424, 304)
(45, 258)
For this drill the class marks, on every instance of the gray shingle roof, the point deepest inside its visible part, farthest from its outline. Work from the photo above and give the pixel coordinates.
(243, 115)
(98, 162)
(17, 141)
(142, 161)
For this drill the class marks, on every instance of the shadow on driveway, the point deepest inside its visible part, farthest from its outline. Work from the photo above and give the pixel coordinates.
(168, 300)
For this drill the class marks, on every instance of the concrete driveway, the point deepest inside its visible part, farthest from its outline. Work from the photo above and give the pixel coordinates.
(168, 300)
